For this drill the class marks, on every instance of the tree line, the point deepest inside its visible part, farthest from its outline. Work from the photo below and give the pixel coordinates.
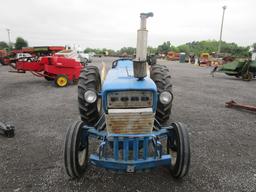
(194, 47)
(19, 43)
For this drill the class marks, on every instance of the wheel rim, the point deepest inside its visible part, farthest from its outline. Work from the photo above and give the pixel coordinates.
(99, 104)
(172, 150)
(82, 155)
(62, 81)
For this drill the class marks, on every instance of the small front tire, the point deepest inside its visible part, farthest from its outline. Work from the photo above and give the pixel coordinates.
(179, 148)
(76, 150)
(247, 76)
(61, 80)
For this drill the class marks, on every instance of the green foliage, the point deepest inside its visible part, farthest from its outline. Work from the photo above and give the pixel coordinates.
(209, 46)
(89, 50)
(20, 42)
(195, 47)
(127, 50)
(254, 47)
(100, 51)
(152, 50)
(165, 47)
(3, 45)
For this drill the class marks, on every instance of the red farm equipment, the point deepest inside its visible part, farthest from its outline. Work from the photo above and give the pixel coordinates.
(3, 54)
(57, 68)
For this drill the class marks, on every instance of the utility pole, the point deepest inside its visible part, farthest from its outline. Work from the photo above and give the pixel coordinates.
(9, 36)
(219, 47)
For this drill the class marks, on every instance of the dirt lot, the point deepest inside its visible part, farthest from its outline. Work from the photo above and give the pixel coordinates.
(223, 141)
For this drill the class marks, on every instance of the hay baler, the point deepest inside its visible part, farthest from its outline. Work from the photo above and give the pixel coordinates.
(57, 68)
(129, 115)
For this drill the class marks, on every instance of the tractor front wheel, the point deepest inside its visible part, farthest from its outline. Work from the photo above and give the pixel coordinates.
(247, 76)
(61, 80)
(179, 149)
(76, 150)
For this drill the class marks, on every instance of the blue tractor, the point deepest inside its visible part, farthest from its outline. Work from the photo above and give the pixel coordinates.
(129, 114)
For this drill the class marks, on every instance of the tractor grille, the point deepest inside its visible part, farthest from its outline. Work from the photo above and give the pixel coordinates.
(130, 99)
(130, 121)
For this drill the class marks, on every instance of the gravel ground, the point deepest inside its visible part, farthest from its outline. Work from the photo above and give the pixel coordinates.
(223, 143)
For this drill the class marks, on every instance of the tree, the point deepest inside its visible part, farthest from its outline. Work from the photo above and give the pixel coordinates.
(3, 45)
(20, 42)
(254, 47)
(164, 48)
(89, 50)
(152, 50)
(127, 50)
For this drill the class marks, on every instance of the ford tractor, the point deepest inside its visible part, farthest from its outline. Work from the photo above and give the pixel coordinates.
(128, 113)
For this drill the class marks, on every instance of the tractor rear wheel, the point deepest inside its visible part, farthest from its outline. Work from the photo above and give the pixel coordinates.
(179, 148)
(161, 76)
(61, 80)
(89, 80)
(76, 150)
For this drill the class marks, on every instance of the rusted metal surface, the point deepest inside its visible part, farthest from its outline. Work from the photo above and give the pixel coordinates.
(130, 121)
(130, 99)
(233, 104)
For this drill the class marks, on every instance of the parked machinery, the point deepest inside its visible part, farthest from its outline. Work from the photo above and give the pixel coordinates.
(127, 114)
(173, 56)
(204, 59)
(61, 68)
(240, 68)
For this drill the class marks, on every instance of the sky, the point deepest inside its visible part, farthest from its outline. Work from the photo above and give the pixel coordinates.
(113, 23)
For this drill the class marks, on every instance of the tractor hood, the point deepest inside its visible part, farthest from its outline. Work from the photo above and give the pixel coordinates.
(121, 78)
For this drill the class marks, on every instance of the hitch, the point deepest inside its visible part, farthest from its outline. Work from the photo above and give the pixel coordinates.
(233, 104)
(7, 130)
(18, 71)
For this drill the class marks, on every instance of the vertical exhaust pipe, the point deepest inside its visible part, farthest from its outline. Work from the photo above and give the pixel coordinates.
(140, 62)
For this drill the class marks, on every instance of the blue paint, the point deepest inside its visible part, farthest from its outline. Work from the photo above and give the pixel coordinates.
(116, 148)
(136, 165)
(126, 149)
(145, 148)
(121, 78)
(135, 149)
(128, 143)
(160, 132)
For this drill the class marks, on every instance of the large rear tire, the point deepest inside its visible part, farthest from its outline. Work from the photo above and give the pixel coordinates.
(89, 79)
(178, 147)
(76, 150)
(161, 76)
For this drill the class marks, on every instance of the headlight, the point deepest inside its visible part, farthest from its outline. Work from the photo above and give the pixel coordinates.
(165, 97)
(90, 96)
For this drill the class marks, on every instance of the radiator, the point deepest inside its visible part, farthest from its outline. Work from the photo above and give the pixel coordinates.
(130, 121)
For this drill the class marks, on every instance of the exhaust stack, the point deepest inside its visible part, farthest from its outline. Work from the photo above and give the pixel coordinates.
(140, 63)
